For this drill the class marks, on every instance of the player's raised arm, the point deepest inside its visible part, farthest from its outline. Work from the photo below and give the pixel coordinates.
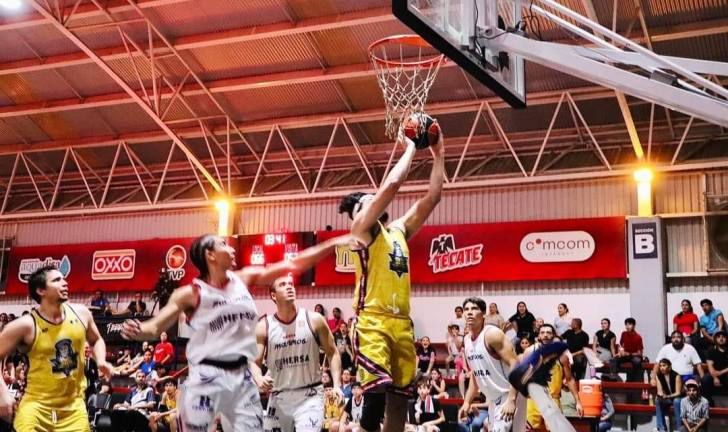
(182, 300)
(421, 210)
(369, 208)
(258, 275)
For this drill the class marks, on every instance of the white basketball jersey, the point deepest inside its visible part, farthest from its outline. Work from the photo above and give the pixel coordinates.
(292, 353)
(490, 373)
(223, 325)
(356, 409)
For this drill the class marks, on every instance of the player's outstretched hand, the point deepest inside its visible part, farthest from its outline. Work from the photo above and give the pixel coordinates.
(131, 329)
(509, 408)
(7, 405)
(438, 149)
(339, 396)
(105, 369)
(464, 411)
(264, 383)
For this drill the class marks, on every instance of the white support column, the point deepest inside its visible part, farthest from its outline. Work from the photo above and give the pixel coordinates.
(326, 155)
(548, 133)
(83, 177)
(505, 139)
(467, 142)
(110, 175)
(164, 174)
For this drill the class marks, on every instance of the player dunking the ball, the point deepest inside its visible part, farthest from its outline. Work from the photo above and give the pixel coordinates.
(288, 342)
(54, 336)
(223, 376)
(383, 331)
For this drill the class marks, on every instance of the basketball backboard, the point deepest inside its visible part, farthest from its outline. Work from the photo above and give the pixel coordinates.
(461, 29)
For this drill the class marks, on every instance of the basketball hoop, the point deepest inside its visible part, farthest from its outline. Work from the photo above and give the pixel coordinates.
(405, 80)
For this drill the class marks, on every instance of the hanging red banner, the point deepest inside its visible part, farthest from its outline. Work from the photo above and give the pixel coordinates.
(117, 266)
(534, 250)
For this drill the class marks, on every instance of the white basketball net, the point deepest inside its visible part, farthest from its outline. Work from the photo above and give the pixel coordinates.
(405, 84)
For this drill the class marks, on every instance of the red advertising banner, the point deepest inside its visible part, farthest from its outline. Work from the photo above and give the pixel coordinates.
(535, 250)
(117, 266)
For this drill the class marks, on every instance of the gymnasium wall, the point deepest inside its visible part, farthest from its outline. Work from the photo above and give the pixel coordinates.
(678, 198)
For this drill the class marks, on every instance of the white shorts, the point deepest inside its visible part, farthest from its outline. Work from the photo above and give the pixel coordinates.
(302, 408)
(497, 424)
(210, 391)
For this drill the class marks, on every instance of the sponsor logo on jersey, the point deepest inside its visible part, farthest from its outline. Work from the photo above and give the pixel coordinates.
(113, 264)
(290, 342)
(398, 261)
(444, 256)
(175, 261)
(65, 360)
(29, 265)
(226, 320)
(557, 246)
(292, 361)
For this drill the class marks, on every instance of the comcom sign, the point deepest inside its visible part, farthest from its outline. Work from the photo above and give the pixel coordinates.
(557, 246)
(644, 240)
(113, 264)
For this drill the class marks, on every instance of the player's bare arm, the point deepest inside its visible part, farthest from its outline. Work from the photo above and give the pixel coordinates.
(365, 219)
(182, 300)
(470, 394)
(18, 333)
(421, 210)
(498, 341)
(328, 344)
(258, 275)
(571, 382)
(94, 339)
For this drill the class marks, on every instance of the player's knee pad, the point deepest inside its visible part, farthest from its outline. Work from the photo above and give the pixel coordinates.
(372, 411)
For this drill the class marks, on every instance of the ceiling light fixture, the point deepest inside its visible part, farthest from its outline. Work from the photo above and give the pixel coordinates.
(11, 4)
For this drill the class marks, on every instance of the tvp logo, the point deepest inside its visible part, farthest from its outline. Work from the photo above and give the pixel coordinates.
(644, 240)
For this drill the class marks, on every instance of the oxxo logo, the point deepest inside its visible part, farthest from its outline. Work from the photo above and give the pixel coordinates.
(557, 246)
(113, 264)
(644, 240)
(175, 261)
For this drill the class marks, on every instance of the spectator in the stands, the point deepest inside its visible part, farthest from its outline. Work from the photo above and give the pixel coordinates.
(137, 307)
(4, 320)
(454, 346)
(684, 358)
(562, 322)
(147, 365)
(343, 344)
(98, 304)
(346, 383)
(605, 341)
(168, 416)
(132, 415)
(438, 388)
(669, 391)
(159, 376)
(91, 372)
(717, 376)
(694, 409)
(537, 323)
(326, 377)
(319, 309)
(630, 351)
(686, 322)
(332, 408)
(428, 412)
(164, 350)
(425, 356)
(351, 416)
(336, 320)
(459, 320)
(605, 419)
(711, 322)
(522, 321)
(494, 317)
(577, 339)
(523, 345)
(476, 418)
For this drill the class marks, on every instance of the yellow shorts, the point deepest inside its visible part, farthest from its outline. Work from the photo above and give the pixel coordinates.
(384, 346)
(34, 416)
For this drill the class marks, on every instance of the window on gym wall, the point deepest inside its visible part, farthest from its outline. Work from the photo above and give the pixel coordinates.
(5, 244)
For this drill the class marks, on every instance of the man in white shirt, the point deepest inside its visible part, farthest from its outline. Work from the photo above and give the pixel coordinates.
(683, 356)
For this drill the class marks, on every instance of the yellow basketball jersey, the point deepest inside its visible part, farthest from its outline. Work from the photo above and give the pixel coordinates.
(383, 276)
(57, 360)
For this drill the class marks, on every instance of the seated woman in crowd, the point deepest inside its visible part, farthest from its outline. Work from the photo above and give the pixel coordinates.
(494, 317)
(437, 385)
(686, 322)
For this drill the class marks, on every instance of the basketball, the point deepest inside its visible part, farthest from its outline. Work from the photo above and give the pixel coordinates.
(422, 129)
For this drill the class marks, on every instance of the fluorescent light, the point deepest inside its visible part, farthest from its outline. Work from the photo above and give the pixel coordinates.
(11, 4)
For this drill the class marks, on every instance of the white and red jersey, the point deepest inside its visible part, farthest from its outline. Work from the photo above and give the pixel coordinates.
(223, 324)
(292, 352)
(489, 371)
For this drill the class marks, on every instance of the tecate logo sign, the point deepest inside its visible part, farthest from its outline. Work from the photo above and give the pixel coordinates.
(113, 264)
(557, 246)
